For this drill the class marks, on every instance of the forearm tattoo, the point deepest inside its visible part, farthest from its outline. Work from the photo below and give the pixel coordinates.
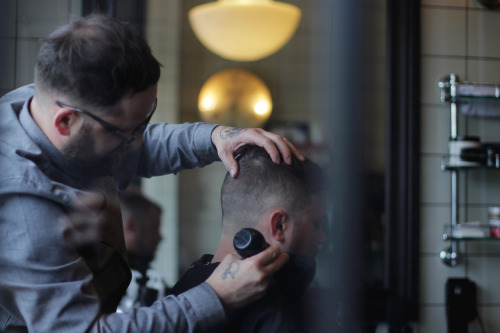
(230, 132)
(231, 270)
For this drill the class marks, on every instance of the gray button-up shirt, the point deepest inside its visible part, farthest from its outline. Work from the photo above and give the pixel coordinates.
(46, 285)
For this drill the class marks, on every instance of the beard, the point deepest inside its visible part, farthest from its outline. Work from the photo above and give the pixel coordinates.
(81, 151)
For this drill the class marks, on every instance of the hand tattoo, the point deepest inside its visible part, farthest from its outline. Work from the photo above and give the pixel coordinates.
(231, 132)
(231, 270)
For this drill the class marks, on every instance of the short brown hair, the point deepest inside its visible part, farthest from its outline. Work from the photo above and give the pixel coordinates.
(96, 60)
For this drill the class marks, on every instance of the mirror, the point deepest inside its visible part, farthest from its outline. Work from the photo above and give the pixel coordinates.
(358, 99)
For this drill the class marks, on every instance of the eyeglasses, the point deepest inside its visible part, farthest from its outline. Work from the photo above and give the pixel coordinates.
(112, 128)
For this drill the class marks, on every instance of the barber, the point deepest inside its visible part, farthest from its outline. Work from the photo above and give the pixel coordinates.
(83, 127)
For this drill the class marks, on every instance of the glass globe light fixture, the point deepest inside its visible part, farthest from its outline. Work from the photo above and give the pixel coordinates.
(235, 97)
(244, 30)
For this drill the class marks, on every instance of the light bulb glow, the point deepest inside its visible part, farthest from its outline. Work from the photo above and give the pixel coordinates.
(207, 104)
(261, 107)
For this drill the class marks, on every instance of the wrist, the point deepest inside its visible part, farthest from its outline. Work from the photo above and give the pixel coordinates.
(215, 134)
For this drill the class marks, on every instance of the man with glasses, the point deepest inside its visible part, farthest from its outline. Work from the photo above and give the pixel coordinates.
(66, 144)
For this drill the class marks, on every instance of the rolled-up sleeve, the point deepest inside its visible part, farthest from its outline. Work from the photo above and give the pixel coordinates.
(196, 310)
(169, 148)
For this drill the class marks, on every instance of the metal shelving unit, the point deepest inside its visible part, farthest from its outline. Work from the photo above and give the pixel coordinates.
(473, 99)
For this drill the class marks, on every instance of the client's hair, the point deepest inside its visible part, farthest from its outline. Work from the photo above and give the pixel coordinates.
(261, 184)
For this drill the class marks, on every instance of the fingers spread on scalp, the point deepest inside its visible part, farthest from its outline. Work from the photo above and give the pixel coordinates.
(275, 145)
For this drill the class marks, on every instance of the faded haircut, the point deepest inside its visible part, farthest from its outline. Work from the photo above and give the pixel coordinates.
(262, 184)
(97, 61)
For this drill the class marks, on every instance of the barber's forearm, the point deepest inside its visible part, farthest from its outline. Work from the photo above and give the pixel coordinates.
(196, 310)
(169, 148)
(166, 149)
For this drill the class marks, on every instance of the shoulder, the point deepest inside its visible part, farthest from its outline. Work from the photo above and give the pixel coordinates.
(19, 93)
(24, 165)
(16, 98)
(12, 134)
(22, 175)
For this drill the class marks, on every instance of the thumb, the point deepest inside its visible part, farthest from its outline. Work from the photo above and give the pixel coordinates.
(230, 163)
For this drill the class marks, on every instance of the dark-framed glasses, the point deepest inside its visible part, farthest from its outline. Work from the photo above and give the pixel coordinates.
(139, 130)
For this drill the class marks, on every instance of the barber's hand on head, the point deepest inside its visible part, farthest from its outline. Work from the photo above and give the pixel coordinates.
(239, 282)
(230, 140)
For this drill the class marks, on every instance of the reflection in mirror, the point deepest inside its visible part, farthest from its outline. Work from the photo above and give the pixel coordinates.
(333, 95)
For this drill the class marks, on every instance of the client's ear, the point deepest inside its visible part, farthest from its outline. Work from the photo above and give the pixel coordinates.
(279, 224)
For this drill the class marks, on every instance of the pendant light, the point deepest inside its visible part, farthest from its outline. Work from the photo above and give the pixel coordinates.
(244, 30)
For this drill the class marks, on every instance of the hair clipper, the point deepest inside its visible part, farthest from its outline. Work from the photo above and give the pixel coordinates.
(248, 242)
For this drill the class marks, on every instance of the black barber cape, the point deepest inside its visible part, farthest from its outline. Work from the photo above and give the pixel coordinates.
(280, 310)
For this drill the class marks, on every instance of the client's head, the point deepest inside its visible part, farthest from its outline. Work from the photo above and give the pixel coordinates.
(286, 203)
